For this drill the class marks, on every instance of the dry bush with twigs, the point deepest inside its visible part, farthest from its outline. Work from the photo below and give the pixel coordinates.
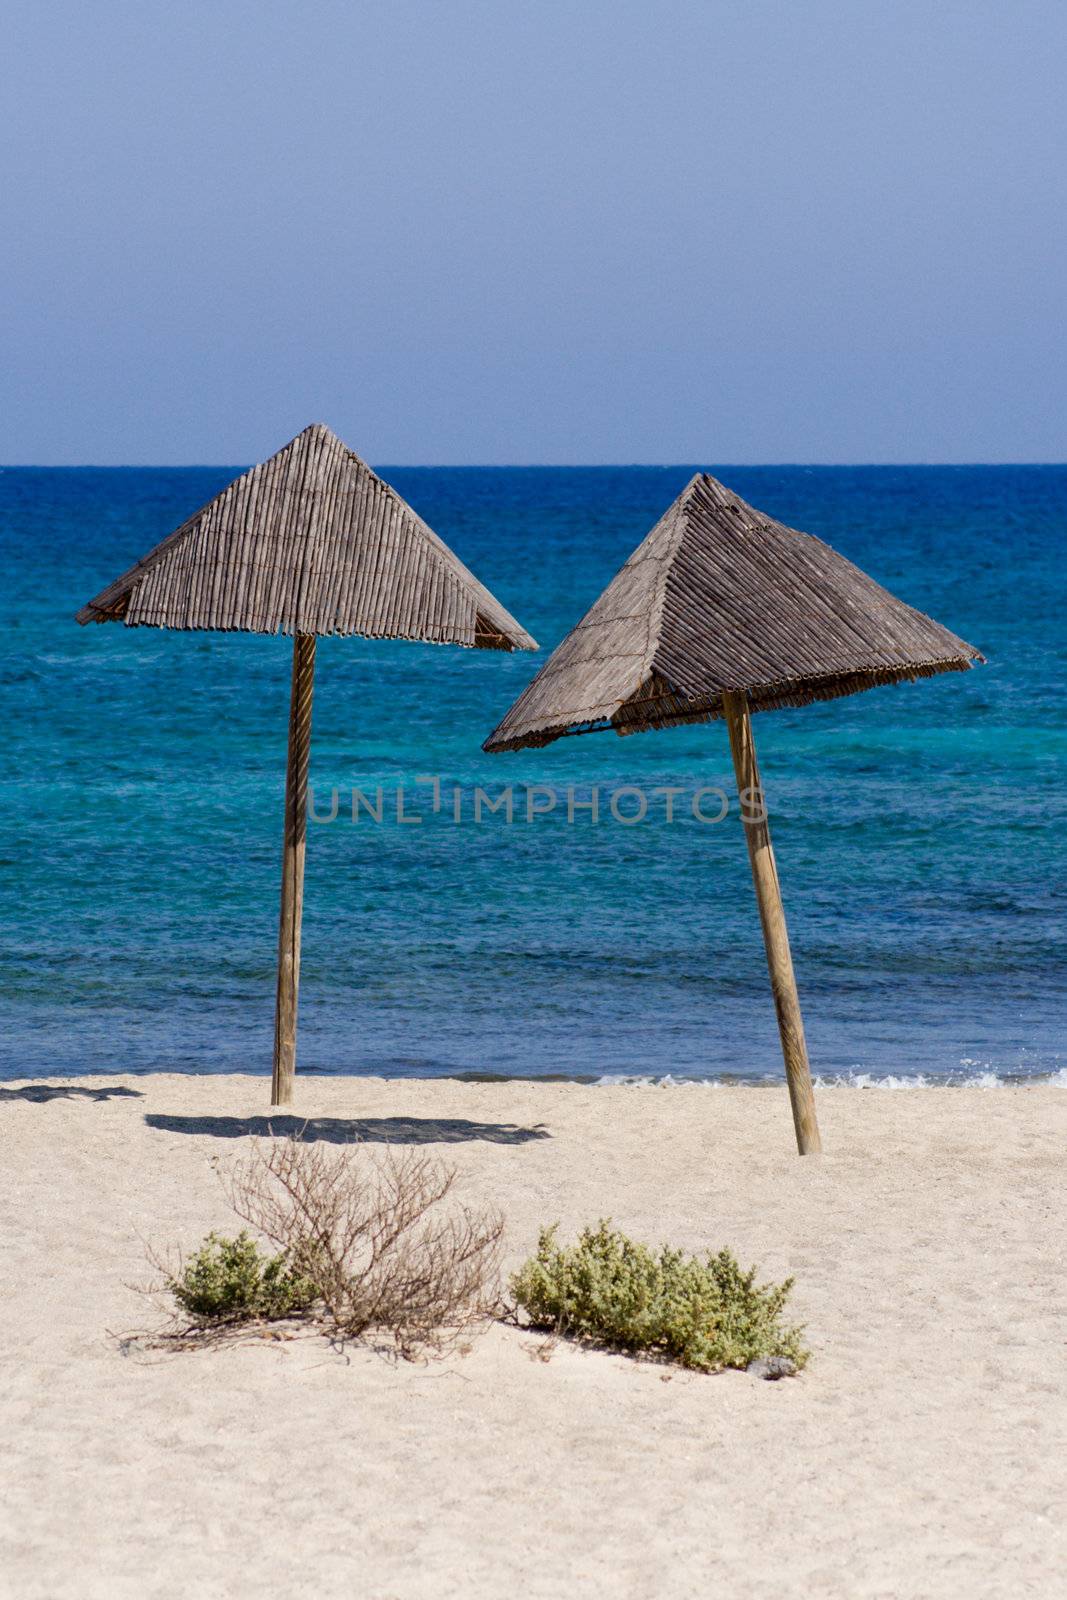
(371, 1242)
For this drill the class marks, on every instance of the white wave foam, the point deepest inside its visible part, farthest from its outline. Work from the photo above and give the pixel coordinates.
(963, 1077)
(921, 1080)
(638, 1080)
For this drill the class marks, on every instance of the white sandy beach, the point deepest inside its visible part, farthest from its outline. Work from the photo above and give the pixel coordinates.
(922, 1453)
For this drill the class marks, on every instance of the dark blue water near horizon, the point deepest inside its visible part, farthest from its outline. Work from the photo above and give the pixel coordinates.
(920, 830)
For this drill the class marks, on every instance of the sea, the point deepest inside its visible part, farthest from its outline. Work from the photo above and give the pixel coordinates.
(920, 830)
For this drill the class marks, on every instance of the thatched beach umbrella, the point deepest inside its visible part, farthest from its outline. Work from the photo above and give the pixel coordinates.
(310, 542)
(722, 611)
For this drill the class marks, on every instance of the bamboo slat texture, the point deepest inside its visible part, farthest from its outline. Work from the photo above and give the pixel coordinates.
(310, 542)
(718, 598)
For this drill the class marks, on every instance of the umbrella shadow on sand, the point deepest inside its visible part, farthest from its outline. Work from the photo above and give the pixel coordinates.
(351, 1130)
(40, 1093)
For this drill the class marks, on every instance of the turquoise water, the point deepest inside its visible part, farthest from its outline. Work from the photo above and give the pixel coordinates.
(920, 830)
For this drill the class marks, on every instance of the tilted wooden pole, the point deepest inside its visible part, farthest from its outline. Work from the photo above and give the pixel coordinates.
(296, 797)
(772, 917)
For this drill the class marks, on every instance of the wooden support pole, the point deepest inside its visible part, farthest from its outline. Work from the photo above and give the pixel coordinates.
(772, 917)
(296, 795)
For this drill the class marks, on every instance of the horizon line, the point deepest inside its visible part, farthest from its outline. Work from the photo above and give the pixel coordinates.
(525, 466)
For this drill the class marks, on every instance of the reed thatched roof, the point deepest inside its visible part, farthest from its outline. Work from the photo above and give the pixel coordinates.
(311, 541)
(719, 596)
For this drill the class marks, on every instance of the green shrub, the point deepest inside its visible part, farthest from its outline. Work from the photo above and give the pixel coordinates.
(701, 1313)
(233, 1280)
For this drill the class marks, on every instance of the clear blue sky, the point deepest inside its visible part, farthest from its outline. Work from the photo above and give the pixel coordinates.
(561, 231)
